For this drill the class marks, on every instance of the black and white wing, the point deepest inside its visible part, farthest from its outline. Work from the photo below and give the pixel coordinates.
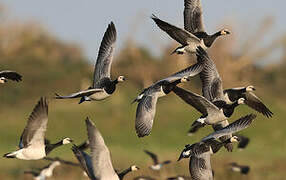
(145, 114)
(79, 94)
(234, 127)
(255, 103)
(153, 156)
(84, 161)
(211, 80)
(200, 103)
(12, 75)
(180, 35)
(100, 155)
(34, 132)
(193, 16)
(188, 72)
(105, 55)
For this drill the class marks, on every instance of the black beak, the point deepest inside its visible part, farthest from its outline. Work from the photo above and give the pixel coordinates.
(174, 52)
(124, 79)
(5, 80)
(253, 89)
(181, 157)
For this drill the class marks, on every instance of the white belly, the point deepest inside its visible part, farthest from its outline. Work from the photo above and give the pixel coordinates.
(100, 95)
(31, 153)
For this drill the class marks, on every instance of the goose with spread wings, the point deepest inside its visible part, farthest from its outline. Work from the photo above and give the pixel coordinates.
(33, 145)
(9, 75)
(98, 166)
(102, 86)
(156, 164)
(147, 99)
(199, 154)
(193, 22)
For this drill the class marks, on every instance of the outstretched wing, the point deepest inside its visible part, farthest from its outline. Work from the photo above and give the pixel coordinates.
(105, 54)
(211, 81)
(12, 75)
(153, 156)
(145, 114)
(234, 127)
(193, 16)
(255, 103)
(200, 103)
(84, 161)
(34, 132)
(78, 94)
(180, 35)
(101, 161)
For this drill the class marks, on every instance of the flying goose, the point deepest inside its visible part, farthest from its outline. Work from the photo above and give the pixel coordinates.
(11, 75)
(251, 99)
(98, 166)
(44, 172)
(148, 97)
(33, 145)
(102, 86)
(239, 168)
(156, 166)
(212, 112)
(193, 22)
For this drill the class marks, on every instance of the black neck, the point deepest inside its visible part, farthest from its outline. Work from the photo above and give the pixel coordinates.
(210, 39)
(168, 88)
(228, 109)
(115, 81)
(50, 147)
(124, 172)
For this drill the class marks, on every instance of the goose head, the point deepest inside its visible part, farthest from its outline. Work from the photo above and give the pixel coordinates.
(3, 80)
(240, 101)
(121, 79)
(67, 141)
(185, 79)
(224, 32)
(250, 88)
(134, 168)
(234, 139)
(186, 153)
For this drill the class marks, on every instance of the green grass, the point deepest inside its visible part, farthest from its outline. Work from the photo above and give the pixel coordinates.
(114, 117)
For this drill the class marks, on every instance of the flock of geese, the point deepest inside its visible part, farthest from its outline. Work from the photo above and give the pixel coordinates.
(216, 105)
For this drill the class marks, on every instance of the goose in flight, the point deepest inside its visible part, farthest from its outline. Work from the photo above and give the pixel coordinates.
(45, 172)
(212, 89)
(239, 168)
(98, 166)
(193, 22)
(9, 75)
(102, 86)
(33, 145)
(147, 99)
(156, 166)
(199, 154)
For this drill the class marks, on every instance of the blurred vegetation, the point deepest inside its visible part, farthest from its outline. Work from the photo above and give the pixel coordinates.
(49, 65)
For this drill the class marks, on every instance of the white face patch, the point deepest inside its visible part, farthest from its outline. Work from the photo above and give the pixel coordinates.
(134, 168)
(186, 153)
(66, 141)
(2, 80)
(201, 120)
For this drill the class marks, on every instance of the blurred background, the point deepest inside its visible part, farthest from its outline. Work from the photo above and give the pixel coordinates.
(54, 45)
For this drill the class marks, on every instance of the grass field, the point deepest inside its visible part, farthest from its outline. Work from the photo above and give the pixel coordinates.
(115, 116)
